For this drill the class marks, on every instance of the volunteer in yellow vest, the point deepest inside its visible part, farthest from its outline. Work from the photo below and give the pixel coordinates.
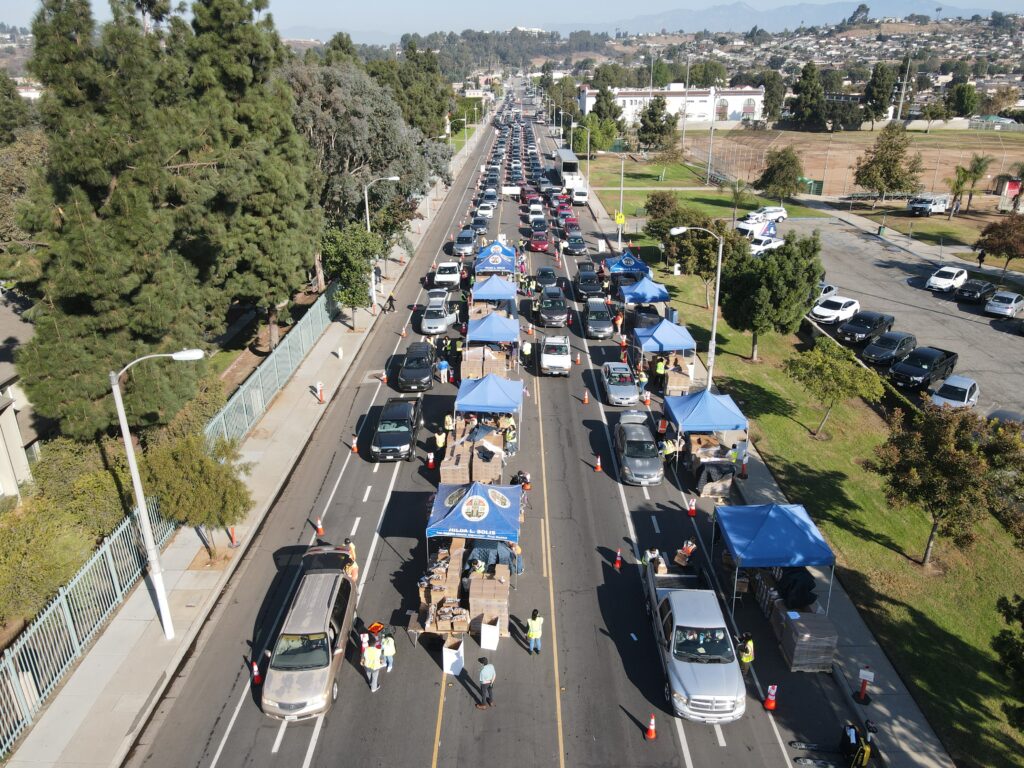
(387, 647)
(659, 372)
(534, 630)
(449, 422)
(668, 451)
(373, 661)
(746, 651)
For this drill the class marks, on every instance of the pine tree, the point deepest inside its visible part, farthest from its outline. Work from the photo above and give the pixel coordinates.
(657, 126)
(878, 94)
(14, 112)
(809, 105)
(887, 167)
(605, 106)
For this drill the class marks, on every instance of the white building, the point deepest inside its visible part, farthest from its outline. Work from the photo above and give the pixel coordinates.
(703, 105)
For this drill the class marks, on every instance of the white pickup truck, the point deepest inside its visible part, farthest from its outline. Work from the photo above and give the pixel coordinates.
(703, 679)
(926, 205)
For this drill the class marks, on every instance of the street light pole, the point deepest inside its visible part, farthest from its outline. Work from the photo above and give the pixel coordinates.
(711, 146)
(718, 287)
(686, 107)
(156, 574)
(622, 179)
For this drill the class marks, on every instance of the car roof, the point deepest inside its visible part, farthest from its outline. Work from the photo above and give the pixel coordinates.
(553, 291)
(695, 608)
(467, 232)
(397, 407)
(960, 381)
(449, 263)
(837, 297)
(869, 314)
(927, 352)
(418, 347)
(898, 335)
(974, 281)
(617, 367)
(310, 609)
(556, 339)
(1009, 294)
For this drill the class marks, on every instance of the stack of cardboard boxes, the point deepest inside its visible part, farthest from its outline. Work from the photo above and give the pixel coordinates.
(440, 610)
(488, 600)
(477, 362)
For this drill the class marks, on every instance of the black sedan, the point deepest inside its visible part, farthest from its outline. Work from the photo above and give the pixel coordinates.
(889, 348)
(479, 225)
(416, 371)
(576, 246)
(975, 291)
(864, 326)
(539, 225)
(546, 277)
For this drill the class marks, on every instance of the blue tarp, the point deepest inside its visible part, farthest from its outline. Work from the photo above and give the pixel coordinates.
(627, 262)
(491, 394)
(476, 511)
(494, 288)
(495, 258)
(704, 412)
(494, 327)
(664, 337)
(769, 535)
(644, 292)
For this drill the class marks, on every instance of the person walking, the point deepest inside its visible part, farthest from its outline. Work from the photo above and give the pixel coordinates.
(981, 258)
(390, 306)
(527, 349)
(746, 651)
(659, 372)
(373, 662)
(387, 647)
(534, 630)
(351, 549)
(487, 676)
(440, 438)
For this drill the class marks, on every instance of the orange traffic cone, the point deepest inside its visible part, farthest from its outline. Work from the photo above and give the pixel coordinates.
(355, 443)
(529, 329)
(319, 527)
(618, 559)
(430, 460)
(586, 397)
(652, 732)
(691, 508)
(404, 334)
(662, 426)
(577, 358)
(257, 678)
(769, 702)
(647, 397)
(597, 467)
(384, 377)
(743, 470)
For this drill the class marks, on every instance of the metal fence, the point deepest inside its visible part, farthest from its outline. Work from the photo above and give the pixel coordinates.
(34, 665)
(986, 125)
(37, 661)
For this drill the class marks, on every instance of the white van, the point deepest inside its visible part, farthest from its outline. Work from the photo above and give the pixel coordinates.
(580, 196)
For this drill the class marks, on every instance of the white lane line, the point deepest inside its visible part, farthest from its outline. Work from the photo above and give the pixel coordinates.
(376, 466)
(355, 526)
(719, 735)
(312, 742)
(647, 494)
(376, 531)
(683, 743)
(231, 724)
(366, 493)
(654, 522)
(280, 736)
(635, 638)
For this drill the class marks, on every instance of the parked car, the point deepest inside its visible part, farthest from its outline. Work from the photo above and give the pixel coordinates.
(465, 243)
(546, 277)
(395, 436)
(946, 279)
(447, 274)
(975, 291)
(637, 451)
(835, 309)
(761, 245)
(416, 371)
(957, 392)
(1004, 304)
(553, 309)
(554, 356)
(479, 225)
(923, 367)
(439, 315)
(889, 348)
(825, 291)
(597, 319)
(619, 385)
(768, 213)
(864, 327)
(588, 286)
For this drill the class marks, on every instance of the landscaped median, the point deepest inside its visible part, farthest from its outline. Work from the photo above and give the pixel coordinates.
(935, 624)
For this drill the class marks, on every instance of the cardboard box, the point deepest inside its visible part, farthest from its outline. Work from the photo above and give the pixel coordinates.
(453, 656)
(489, 634)
(442, 625)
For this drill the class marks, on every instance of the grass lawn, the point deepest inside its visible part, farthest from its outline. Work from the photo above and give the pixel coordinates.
(935, 625)
(929, 229)
(605, 170)
(459, 139)
(716, 204)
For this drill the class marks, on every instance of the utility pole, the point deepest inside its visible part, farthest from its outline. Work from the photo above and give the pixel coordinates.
(903, 90)
(711, 146)
(622, 178)
(686, 107)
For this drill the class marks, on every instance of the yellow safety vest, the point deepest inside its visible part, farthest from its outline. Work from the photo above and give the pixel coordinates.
(669, 449)
(372, 658)
(533, 627)
(440, 438)
(387, 646)
(510, 435)
(352, 551)
(660, 368)
(747, 652)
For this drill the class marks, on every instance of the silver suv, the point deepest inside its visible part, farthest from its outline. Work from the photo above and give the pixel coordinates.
(302, 677)
(465, 243)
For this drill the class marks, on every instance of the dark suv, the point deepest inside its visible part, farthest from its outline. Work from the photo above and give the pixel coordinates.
(864, 327)
(395, 437)
(416, 372)
(553, 309)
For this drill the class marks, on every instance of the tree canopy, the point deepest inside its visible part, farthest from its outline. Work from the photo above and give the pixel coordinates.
(657, 127)
(1003, 238)
(808, 107)
(781, 175)
(878, 94)
(887, 167)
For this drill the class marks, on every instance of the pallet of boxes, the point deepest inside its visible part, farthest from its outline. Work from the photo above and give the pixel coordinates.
(477, 362)
(708, 462)
(440, 610)
(488, 605)
(468, 461)
(807, 637)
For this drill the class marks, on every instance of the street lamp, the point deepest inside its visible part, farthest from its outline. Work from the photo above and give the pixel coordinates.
(675, 231)
(156, 575)
(366, 205)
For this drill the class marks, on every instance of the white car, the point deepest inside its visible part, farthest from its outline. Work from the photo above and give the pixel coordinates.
(555, 359)
(825, 290)
(835, 309)
(439, 315)
(486, 210)
(957, 392)
(1004, 304)
(768, 213)
(947, 279)
(761, 245)
(447, 274)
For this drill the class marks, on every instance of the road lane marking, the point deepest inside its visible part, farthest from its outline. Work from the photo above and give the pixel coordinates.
(647, 494)
(683, 743)
(280, 736)
(635, 638)
(376, 466)
(366, 493)
(437, 728)
(654, 522)
(719, 735)
(312, 742)
(376, 530)
(355, 525)
(231, 724)
(543, 549)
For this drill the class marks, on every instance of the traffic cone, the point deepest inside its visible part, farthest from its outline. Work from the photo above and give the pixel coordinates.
(597, 467)
(234, 541)
(743, 469)
(577, 358)
(319, 527)
(430, 460)
(662, 426)
(404, 334)
(652, 732)
(529, 329)
(586, 397)
(384, 377)
(691, 508)
(769, 702)
(451, 375)
(647, 397)
(355, 443)
(570, 319)
(257, 678)
(618, 559)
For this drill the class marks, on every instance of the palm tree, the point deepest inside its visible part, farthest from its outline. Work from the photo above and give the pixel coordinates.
(976, 170)
(739, 191)
(957, 187)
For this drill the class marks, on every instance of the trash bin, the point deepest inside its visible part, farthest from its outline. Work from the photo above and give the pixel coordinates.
(673, 315)
(881, 230)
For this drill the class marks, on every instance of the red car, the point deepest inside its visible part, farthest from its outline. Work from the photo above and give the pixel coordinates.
(570, 222)
(572, 227)
(563, 200)
(529, 197)
(539, 242)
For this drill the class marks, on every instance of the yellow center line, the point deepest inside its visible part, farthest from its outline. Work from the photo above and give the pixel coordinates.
(551, 579)
(437, 729)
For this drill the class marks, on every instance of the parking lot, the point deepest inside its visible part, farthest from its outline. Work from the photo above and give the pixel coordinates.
(886, 278)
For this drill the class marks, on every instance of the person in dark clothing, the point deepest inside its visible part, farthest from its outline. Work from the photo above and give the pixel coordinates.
(390, 306)
(981, 258)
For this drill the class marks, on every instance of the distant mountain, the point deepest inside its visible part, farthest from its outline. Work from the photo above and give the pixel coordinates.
(740, 17)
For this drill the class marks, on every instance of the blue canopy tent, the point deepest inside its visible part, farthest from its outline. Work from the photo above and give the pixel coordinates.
(493, 328)
(644, 292)
(773, 535)
(494, 288)
(495, 258)
(666, 336)
(705, 411)
(491, 394)
(627, 262)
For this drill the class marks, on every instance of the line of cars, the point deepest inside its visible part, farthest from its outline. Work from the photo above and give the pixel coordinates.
(957, 281)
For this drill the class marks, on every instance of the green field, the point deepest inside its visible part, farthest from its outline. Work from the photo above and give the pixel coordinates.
(607, 171)
(459, 139)
(936, 624)
(959, 231)
(716, 204)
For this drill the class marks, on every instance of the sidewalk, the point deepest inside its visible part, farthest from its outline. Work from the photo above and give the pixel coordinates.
(95, 717)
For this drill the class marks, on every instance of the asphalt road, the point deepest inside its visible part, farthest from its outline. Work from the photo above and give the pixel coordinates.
(886, 278)
(584, 701)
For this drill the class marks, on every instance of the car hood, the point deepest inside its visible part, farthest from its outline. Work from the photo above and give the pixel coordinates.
(288, 686)
(392, 439)
(622, 390)
(416, 372)
(642, 467)
(698, 679)
(878, 354)
(903, 368)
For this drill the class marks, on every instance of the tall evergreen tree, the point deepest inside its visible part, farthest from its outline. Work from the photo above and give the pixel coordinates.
(657, 127)
(887, 167)
(774, 93)
(781, 175)
(419, 88)
(14, 113)
(605, 106)
(878, 94)
(809, 105)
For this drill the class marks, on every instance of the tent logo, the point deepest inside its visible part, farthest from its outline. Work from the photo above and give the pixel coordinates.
(627, 261)
(475, 508)
(499, 498)
(453, 498)
(495, 259)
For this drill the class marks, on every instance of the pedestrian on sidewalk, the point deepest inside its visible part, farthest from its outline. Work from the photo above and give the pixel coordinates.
(981, 258)
(387, 647)
(390, 306)
(487, 675)
(373, 662)
(534, 630)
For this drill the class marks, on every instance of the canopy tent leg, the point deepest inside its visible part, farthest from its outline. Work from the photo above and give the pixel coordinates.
(831, 578)
(735, 581)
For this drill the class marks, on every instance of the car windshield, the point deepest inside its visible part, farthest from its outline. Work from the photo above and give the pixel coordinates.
(916, 361)
(886, 342)
(463, 240)
(860, 322)
(945, 274)
(416, 361)
(301, 652)
(830, 304)
(641, 449)
(997, 299)
(576, 242)
(600, 314)
(434, 314)
(556, 349)
(702, 645)
(451, 269)
(546, 274)
(950, 392)
(620, 378)
(479, 221)
(393, 425)
(589, 279)
(556, 304)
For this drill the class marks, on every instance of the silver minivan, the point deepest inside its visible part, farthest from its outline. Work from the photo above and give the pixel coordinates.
(597, 319)
(302, 676)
